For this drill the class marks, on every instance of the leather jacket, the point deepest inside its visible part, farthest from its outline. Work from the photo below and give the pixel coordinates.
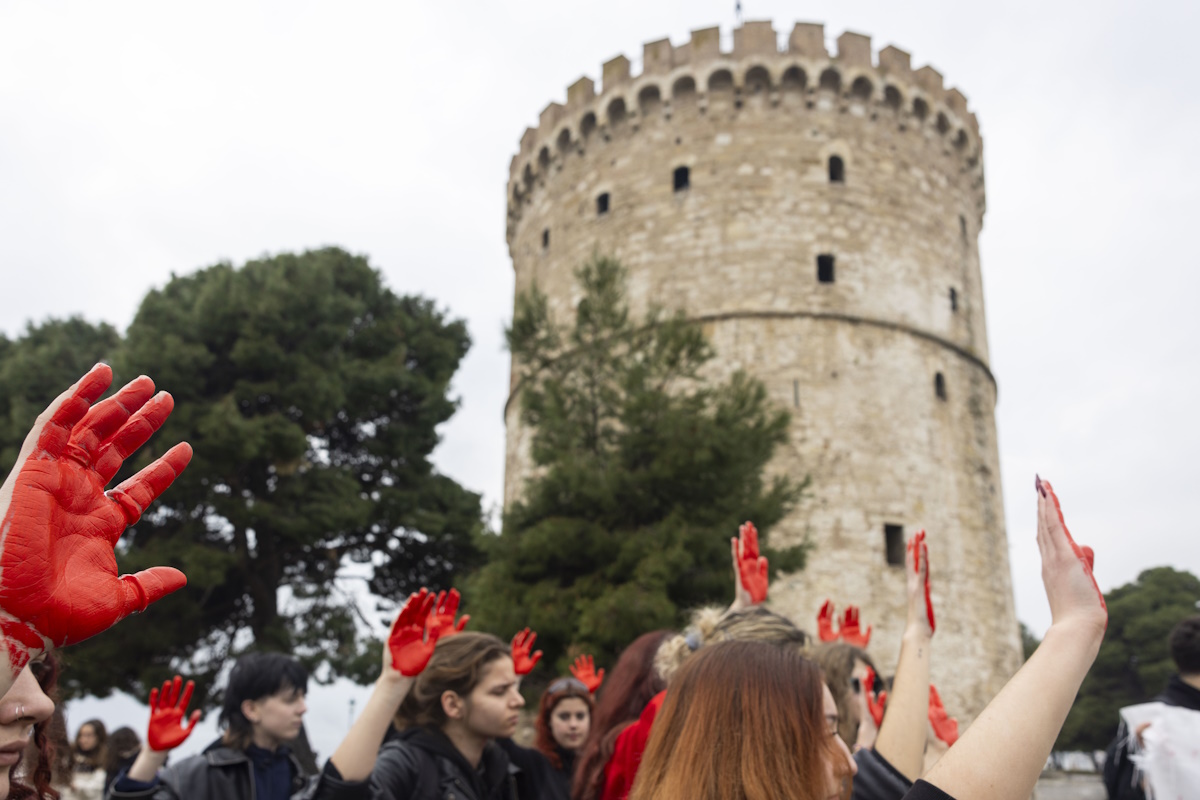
(219, 773)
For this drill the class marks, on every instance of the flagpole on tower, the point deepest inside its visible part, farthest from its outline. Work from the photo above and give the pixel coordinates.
(737, 11)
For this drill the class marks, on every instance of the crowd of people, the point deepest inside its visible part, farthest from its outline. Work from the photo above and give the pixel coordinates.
(743, 703)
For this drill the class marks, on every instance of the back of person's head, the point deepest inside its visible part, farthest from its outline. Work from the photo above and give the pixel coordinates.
(837, 660)
(457, 665)
(711, 625)
(742, 719)
(555, 693)
(630, 686)
(1184, 642)
(123, 744)
(256, 676)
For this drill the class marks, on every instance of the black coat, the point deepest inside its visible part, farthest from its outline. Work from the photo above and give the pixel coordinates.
(219, 773)
(422, 764)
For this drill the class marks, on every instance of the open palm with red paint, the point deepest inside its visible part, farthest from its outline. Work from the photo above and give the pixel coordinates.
(58, 527)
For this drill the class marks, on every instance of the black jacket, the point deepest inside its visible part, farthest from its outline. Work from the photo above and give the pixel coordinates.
(422, 764)
(219, 773)
(1119, 770)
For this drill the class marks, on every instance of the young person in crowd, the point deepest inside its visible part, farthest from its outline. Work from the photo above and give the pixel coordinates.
(123, 747)
(765, 732)
(262, 712)
(565, 718)
(89, 753)
(632, 684)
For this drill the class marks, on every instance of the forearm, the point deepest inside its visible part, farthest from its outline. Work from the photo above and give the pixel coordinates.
(901, 738)
(1002, 754)
(355, 756)
(147, 764)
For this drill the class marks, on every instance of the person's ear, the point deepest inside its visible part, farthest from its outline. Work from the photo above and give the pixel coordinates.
(453, 705)
(250, 711)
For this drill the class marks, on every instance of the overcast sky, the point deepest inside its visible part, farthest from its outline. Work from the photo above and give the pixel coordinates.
(143, 139)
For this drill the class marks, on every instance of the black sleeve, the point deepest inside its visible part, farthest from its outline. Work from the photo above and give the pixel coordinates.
(1119, 770)
(877, 779)
(330, 785)
(396, 772)
(926, 791)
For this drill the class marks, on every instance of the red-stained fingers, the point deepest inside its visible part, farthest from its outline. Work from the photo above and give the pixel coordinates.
(136, 494)
(944, 726)
(143, 588)
(132, 434)
(523, 661)
(62, 415)
(412, 638)
(825, 623)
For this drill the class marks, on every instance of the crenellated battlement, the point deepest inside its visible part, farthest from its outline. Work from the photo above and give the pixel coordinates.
(855, 78)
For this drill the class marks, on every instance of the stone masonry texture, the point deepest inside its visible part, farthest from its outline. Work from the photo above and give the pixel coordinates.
(858, 361)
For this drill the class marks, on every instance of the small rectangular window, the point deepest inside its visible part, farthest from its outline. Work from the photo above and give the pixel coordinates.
(545, 238)
(602, 204)
(939, 386)
(683, 178)
(893, 542)
(953, 300)
(825, 268)
(796, 393)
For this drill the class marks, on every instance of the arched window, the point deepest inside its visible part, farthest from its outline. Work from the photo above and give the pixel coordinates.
(564, 140)
(757, 80)
(862, 89)
(943, 124)
(831, 80)
(602, 200)
(684, 88)
(892, 98)
(720, 81)
(649, 100)
(837, 170)
(920, 109)
(682, 178)
(794, 80)
(587, 125)
(960, 141)
(544, 158)
(616, 112)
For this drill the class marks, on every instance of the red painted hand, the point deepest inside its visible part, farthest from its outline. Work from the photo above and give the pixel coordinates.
(1066, 567)
(412, 639)
(441, 618)
(167, 712)
(918, 563)
(522, 643)
(874, 705)
(851, 633)
(584, 670)
(946, 727)
(752, 567)
(825, 618)
(59, 525)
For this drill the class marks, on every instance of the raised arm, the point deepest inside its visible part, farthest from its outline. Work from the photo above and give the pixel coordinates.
(58, 527)
(409, 648)
(901, 737)
(169, 727)
(749, 568)
(1002, 753)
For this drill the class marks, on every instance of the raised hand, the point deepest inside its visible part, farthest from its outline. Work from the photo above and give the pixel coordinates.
(412, 638)
(441, 618)
(825, 619)
(1066, 567)
(60, 583)
(751, 566)
(918, 578)
(874, 705)
(167, 712)
(945, 726)
(851, 633)
(522, 643)
(584, 670)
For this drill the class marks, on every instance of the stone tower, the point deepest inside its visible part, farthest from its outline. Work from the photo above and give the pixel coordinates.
(819, 215)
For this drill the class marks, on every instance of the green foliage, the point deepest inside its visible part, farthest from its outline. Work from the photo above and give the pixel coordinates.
(40, 365)
(644, 472)
(311, 395)
(1134, 663)
(1029, 642)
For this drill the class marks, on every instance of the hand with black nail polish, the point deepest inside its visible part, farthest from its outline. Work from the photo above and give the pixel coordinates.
(58, 527)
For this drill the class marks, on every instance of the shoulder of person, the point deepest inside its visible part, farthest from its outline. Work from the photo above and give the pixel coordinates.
(399, 767)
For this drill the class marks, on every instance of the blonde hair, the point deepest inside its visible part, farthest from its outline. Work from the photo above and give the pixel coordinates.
(712, 624)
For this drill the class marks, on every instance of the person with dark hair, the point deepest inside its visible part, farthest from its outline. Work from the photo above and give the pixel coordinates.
(123, 747)
(563, 721)
(1122, 777)
(89, 754)
(632, 684)
(846, 668)
(262, 712)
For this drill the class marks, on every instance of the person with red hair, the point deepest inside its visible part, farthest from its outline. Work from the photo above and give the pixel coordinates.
(563, 721)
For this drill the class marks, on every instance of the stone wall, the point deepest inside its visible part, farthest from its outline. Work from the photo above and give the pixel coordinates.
(858, 361)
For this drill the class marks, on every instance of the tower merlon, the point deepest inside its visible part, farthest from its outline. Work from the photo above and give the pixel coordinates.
(658, 57)
(755, 39)
(930, 80)
(614, 73)
(550, 116)
(896, 62)
(854, 49)
(808, 40)
(581, 92)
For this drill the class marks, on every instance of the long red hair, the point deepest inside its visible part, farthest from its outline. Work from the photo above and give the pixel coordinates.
(544, 741)
(630, 686)
(39, 772)
(742, 721)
